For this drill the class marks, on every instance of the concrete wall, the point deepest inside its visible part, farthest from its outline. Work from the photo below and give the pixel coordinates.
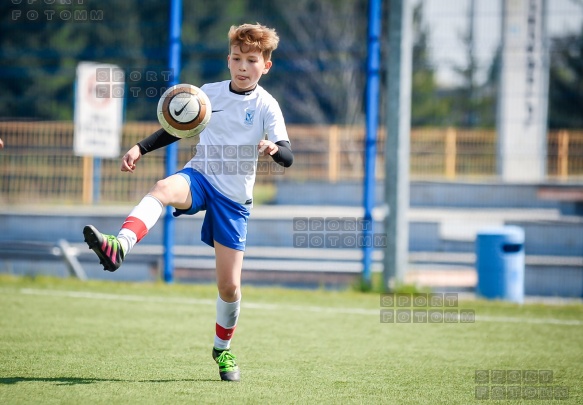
(459, 204)
(422, 194)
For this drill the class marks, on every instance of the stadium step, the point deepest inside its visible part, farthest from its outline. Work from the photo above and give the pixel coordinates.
(441, 240)
(276, 258)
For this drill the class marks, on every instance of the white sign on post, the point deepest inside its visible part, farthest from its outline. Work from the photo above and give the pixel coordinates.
(98, 110)
(522, 102)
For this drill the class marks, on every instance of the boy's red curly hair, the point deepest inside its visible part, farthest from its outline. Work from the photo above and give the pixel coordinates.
(250, 37)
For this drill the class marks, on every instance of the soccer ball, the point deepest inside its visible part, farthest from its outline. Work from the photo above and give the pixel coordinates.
(184, 110)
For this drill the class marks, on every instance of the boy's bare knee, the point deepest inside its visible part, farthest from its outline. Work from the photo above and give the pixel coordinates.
(229, 292)
(161, 186)
(162, 191)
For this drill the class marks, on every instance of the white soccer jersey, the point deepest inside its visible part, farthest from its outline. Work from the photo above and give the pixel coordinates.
(227, 151)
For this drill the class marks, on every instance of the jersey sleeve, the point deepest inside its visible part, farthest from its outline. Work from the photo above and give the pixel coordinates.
(157, 140)
(284, 155)
(274, 123)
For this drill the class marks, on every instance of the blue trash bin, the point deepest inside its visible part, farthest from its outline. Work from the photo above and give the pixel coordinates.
(500, 263)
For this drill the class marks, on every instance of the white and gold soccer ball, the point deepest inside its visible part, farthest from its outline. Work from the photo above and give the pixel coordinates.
(184, 110)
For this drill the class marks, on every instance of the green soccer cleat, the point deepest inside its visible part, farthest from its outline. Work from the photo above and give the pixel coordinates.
(228, 369)
(107, 248)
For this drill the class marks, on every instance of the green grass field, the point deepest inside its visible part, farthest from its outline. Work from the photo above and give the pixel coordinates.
(65, 341)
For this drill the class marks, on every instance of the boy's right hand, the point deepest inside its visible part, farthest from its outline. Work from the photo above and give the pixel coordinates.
(129, 160)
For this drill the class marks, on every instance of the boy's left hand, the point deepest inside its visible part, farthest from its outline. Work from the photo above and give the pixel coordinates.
(268, 147)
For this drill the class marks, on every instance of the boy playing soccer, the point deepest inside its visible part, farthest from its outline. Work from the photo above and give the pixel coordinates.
(245, 118)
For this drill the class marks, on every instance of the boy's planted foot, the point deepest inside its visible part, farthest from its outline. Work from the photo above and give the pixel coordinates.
(107, 248)
(228, 369)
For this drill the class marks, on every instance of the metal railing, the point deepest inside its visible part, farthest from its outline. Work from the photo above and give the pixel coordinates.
(37, 164)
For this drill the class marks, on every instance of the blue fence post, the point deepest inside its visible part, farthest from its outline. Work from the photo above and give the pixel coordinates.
(172, 149)
(372, 116)
(96, 179)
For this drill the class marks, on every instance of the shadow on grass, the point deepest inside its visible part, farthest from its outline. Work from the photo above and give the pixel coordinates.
(77, 380)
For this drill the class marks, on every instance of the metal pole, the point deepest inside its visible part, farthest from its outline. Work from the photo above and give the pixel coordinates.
(372, 116)
(172, 149)
(96, 180)
(398, 137)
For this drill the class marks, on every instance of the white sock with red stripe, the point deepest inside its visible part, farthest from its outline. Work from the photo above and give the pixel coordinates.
(142, 218)
(227, 315)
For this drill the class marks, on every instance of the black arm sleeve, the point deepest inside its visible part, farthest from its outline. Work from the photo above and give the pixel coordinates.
(284, 155)
(157, 140)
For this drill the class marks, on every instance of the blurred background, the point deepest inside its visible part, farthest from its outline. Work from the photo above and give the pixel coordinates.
(319, 78)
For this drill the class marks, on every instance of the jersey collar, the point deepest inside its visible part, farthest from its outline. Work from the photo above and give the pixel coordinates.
(241, 93)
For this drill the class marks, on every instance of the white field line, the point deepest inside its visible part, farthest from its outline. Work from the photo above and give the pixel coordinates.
(275, 307)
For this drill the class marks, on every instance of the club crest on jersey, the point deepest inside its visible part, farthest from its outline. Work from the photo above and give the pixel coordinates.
(249, 115)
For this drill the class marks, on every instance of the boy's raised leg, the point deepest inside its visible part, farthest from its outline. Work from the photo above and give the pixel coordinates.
(112, 250)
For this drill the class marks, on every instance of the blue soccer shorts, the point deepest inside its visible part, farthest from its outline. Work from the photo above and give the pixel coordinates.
(225, 220)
